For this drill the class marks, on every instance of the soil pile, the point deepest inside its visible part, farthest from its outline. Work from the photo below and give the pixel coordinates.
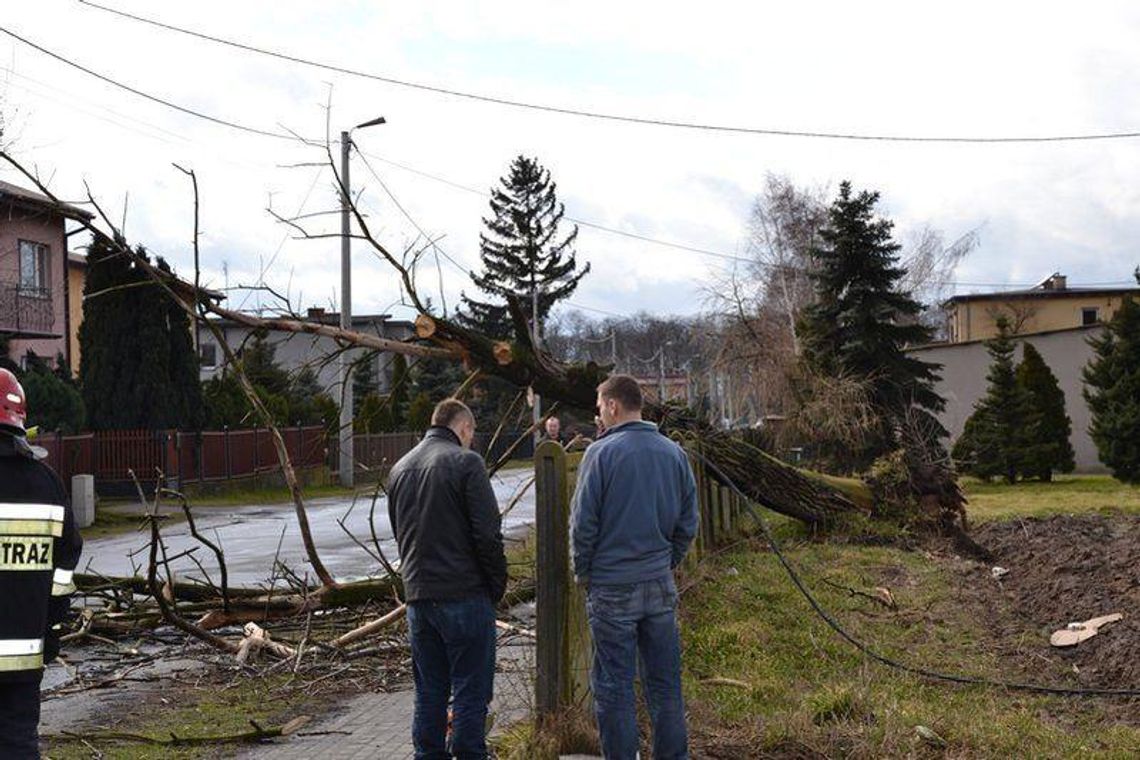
(1068, 569)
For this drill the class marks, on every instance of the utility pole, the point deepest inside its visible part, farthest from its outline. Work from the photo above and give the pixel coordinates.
(536, 410)
(661, 375)
(613, 348)
(347, 463)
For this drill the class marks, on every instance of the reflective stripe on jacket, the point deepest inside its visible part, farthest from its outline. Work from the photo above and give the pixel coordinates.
(39, 549)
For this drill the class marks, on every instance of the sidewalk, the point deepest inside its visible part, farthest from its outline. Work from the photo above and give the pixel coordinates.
(380, 725)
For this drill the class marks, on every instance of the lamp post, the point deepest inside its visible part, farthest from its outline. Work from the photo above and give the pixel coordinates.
(347, 455)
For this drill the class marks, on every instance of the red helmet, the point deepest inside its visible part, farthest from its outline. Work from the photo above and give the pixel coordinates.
(13, 403)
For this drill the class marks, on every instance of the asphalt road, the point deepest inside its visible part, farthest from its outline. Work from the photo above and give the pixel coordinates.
(252, 536)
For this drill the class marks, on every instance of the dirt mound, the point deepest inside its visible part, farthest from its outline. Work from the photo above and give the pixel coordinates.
(1069, 568)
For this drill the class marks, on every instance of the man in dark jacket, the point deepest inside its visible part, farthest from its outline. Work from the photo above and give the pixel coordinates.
(39, 548)
(446, 521)
(632, 520)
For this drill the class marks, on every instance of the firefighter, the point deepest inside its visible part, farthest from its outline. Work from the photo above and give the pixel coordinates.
(39, 548)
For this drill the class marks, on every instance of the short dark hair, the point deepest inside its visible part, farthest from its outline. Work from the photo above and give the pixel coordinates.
(448, 411)
(624, 390)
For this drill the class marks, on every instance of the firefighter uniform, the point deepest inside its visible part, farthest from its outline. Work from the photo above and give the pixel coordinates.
(39, 549)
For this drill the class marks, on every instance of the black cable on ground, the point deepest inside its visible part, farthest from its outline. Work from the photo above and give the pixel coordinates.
(881, 658)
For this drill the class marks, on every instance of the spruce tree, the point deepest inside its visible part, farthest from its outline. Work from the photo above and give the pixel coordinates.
(1048, 428)
(1112, 390)
(860, 325)
(522, 250)
(995, 436)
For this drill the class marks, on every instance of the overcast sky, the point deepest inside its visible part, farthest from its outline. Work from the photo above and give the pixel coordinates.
(962, 69)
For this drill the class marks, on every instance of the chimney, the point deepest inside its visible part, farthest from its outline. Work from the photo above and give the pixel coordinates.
(316, 312)
(1057, 282)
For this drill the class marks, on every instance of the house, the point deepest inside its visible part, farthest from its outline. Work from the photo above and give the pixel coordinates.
(963, 381)
(676, 387)
(34, 278)
(295, 351)
(1046, 307)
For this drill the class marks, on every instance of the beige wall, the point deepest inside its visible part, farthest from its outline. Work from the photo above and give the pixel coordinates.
(77, 275)
(16, 225)
(976, 320)
(964, 382)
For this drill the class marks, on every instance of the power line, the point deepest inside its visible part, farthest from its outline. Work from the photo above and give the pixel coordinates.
(601, 115)
(439, 249)
(152, 98)
(283, 136)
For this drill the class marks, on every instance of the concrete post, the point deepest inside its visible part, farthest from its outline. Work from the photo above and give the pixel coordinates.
(83, 499)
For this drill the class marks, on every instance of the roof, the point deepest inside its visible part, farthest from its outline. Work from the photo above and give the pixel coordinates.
(328, 318)
(23, 196)
(1008, 295)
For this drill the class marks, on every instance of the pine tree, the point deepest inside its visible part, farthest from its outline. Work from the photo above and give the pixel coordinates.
(1048, 428)
(1112, 390)
(995, 436)
(861, 323)
(522, 251)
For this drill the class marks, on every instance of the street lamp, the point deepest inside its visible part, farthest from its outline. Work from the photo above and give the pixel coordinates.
(347, 455)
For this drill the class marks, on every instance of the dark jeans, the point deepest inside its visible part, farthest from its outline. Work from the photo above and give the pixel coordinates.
(20, 720)
(453, 653)
(637, 623)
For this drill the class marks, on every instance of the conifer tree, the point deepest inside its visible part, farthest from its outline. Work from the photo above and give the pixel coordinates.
(102, 334)
(861, 323)
(995, 437)
(138, 368)
(1112, 389)
(1048, 427)
(522, 250)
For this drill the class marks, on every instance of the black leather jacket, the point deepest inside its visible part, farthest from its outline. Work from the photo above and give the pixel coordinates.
(446, 521)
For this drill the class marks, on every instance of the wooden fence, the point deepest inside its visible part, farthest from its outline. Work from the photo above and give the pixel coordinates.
(563, 656)
(182, 457)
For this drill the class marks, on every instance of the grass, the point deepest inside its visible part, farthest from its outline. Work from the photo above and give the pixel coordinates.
(804, 688)
(808, 687)
(1067, 494)
(192, 712)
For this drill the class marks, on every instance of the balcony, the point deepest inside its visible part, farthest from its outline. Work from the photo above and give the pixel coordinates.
(26, 311)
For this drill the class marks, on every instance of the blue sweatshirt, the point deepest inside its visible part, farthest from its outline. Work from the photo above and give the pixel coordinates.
(635, 508)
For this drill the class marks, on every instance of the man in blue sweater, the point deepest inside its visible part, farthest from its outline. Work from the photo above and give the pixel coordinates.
(633, 518)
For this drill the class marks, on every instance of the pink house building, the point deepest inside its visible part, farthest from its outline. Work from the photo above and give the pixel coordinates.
(34, 314)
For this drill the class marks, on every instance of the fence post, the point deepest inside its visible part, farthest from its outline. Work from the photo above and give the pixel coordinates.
(563, 642)
(696, 549)
(551, 568)
(226, 449)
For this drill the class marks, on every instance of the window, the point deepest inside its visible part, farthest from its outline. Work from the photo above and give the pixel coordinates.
(1090, 315)
(208, 354)
(34, 271)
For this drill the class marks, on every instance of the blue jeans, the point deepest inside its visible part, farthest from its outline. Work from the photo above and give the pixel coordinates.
(637, 623)
(453, 654)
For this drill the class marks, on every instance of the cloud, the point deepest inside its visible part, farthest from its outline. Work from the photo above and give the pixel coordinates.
(970, 68)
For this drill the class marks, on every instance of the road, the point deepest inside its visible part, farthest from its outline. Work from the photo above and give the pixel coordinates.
(252, 536)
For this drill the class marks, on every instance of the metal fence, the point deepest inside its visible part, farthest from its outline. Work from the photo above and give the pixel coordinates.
(180, 457)
(216, 455)
(24, 309)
